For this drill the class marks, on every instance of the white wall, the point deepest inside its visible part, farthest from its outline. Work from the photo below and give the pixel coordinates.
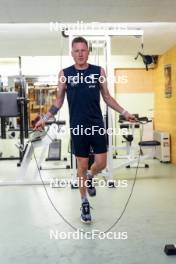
(9, 68)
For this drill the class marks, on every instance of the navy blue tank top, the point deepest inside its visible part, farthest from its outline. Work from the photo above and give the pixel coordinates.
(83, 95)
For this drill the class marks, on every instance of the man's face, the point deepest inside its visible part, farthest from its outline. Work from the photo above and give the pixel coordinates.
(80, 53)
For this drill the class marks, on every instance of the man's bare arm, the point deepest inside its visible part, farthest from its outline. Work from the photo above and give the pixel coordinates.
(110, 101)
(60, 93)
(57, 105)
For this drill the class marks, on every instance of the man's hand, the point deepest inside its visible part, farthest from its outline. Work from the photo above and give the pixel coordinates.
(130, 118)
(38, 124)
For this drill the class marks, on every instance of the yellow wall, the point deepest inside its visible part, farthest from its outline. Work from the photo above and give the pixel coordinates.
(165, 108)
(138, 80)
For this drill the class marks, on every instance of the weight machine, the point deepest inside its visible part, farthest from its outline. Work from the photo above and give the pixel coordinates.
(13, 104)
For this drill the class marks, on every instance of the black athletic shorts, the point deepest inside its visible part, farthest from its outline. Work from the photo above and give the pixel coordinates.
(82, 144)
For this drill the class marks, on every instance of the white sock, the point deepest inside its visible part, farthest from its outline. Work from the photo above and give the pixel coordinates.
(89, 175)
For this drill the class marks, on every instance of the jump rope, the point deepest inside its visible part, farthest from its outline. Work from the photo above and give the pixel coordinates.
(140, 121)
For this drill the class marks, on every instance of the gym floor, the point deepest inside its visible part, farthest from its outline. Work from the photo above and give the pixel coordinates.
(27, 218)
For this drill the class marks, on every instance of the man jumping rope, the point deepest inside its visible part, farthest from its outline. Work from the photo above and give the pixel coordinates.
(83, 83)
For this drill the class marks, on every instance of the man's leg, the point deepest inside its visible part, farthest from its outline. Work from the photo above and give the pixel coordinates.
(82, 166)
(98, 165)
(99, 146)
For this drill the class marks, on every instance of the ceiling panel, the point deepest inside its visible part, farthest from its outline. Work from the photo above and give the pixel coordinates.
(42, 11)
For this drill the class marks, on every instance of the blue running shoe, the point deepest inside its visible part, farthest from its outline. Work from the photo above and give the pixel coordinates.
(85, 213)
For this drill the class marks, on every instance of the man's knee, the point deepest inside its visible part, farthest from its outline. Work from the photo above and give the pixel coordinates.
(82, 170)
(100, 165)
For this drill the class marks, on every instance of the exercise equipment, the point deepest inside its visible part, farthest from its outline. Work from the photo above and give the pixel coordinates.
(13, 104)
(37, 140)
(130, 147)
(55, 146)
(54, 152)
(142, 145)
(128, 137)
(37, 135)
(170, 249)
